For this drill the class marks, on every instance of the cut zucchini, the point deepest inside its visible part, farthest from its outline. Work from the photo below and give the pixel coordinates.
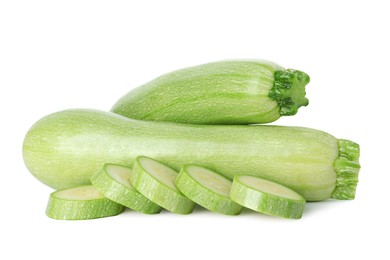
(156, 181)
(267, 197)
(84, 202)
(208, 189)
(113, 181)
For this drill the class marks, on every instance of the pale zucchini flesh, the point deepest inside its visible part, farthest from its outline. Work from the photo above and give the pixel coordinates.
(66, 148)
(208, 189)
(224, 92)
(84, 202)
(267, 197)
(113, 181)
(156, 181)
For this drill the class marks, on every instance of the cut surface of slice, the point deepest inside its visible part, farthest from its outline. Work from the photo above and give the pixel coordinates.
(113, 181)
(267, 197)
(156, 181)
(84, 202)
(208, 189)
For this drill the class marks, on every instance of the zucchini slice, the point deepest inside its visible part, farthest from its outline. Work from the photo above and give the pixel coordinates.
(267, 197)
(84, 202)
(113, 181)
(208, 189)
(156, 181)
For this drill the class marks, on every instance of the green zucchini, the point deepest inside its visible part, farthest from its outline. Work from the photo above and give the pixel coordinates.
(113, 181)
(267, 197)
(208, 189)
(84, 202)
(156, 181)
(224, 92)
(66, 148)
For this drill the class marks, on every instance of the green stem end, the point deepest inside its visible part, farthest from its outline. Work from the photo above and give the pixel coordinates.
(289, 90)
(347, 169)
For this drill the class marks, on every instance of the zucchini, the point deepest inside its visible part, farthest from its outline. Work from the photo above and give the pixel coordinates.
(208, 189)
(113, 181)
(156, 181)
(84, 202)
(66, 148)
(224, 92)
(267, 197)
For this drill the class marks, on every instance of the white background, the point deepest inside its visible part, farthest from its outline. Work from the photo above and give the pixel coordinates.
(56, 55)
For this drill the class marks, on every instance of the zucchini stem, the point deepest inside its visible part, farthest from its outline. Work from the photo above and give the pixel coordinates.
(289, 91)
(347, 169)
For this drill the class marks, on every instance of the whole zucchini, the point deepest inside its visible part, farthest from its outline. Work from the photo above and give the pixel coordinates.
(66, 148)
(225, 92)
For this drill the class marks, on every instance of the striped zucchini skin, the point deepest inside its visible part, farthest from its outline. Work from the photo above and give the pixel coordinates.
(65, 148)
(225, 92)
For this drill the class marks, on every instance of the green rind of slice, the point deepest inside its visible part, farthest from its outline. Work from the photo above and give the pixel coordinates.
(84, 202)
(156, 181)
(267, 197)
(208, 189)
(113, 181)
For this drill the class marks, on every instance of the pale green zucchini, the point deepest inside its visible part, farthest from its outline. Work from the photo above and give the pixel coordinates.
(113, 181)
(224, 92)
(66, 148)
(267, 197)
(156, 181)
(84, 202)
(208, 189)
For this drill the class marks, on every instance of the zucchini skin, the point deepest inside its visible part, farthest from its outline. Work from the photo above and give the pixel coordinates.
(66, 148)
(224, 92)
